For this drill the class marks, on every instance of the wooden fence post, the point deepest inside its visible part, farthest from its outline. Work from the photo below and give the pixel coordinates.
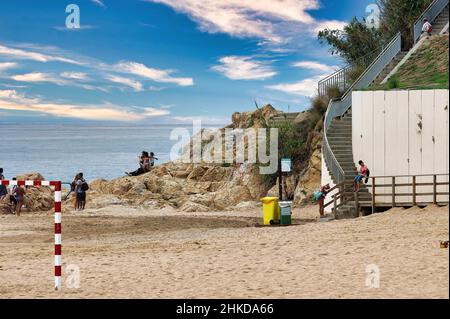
(335, 204)
(393, 191)
(373, 195)
(357, 203)
(434, 189)
(414, 201)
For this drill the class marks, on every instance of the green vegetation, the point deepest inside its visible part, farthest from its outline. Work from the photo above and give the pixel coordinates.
(425, 69)
(400, 15)
(357, 44)
(352, 43)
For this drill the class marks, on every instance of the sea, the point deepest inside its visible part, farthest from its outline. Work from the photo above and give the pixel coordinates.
(59, 152)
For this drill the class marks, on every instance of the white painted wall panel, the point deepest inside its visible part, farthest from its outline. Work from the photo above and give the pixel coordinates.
(415, 132)
(357, 123)
(390, 137)
(441, 138)
(427, 143)
(402, 147)
(378, 168)
(367, 150)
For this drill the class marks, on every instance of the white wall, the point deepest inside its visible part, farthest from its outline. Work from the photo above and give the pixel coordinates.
(387, 136)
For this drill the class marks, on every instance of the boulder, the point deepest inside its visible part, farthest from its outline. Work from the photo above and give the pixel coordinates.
(193, 207)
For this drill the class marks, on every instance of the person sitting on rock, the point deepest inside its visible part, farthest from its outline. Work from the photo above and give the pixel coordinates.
(144, 165)
(152, 159)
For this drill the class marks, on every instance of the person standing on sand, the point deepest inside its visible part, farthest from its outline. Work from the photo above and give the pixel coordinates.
(3, 189)
(19, 195)
(80, 187)
(321, 201)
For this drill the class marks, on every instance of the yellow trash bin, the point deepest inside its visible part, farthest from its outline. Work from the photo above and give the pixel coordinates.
(271, 210)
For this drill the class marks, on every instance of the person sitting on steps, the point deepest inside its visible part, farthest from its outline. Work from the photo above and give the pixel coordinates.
(362, 173)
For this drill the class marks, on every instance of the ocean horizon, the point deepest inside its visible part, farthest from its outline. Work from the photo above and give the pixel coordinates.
(59, 151)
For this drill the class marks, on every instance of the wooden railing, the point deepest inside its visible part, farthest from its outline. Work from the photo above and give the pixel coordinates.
(393, 183)
(419, 190)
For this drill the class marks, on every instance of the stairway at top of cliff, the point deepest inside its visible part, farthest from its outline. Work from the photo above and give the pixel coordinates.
(441, 21)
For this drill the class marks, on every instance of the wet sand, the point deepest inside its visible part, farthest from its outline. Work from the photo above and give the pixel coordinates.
(133, 253)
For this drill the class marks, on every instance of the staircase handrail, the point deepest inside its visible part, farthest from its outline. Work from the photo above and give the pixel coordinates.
(430, 13)
(338, 107)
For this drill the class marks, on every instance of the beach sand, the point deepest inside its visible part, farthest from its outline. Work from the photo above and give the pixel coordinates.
(133, 253)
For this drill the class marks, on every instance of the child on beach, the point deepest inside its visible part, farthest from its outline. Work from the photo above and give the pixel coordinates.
(18, 193)
(363, 173)
(321, 198)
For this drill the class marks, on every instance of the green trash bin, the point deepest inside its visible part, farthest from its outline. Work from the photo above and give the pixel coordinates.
(285, 212)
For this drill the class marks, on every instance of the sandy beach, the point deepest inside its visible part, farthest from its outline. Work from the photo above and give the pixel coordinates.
(132, 253)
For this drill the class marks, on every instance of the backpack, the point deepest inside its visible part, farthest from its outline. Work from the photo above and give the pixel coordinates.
(84, 187)
(430, 29)
(317, 195)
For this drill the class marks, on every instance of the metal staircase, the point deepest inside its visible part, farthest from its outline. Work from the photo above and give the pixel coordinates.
(337, 142)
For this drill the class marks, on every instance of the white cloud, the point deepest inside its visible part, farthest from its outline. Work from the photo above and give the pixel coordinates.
(306, 87)
(209, 120)
(7, 65)
(31, 55)
(135, 85)
(39, 77)
(243, 68)
(99, 3)
(11, 100)
(244, 18)
(81, 28)
(155, 88)
(328, 24)
(157, 75)
(275, 22)
(315, 66)
(153, 112)
(75, 76)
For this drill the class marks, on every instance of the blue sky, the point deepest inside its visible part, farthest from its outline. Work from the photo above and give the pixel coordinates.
(162, 61)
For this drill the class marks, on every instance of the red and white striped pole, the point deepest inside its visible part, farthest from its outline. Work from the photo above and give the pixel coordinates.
(58, 263)
(57, 186)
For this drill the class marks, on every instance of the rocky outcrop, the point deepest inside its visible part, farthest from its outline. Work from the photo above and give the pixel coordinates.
(37, 199)
(187, 187)
(201, 186)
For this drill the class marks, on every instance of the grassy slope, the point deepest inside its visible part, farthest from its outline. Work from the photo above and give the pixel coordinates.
(425, 69)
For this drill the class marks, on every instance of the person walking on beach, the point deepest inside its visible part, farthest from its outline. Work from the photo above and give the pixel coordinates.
(321, 198)
(362, 173)
(144, 165)
(80, 187)
(18, 194)
(3, 189)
